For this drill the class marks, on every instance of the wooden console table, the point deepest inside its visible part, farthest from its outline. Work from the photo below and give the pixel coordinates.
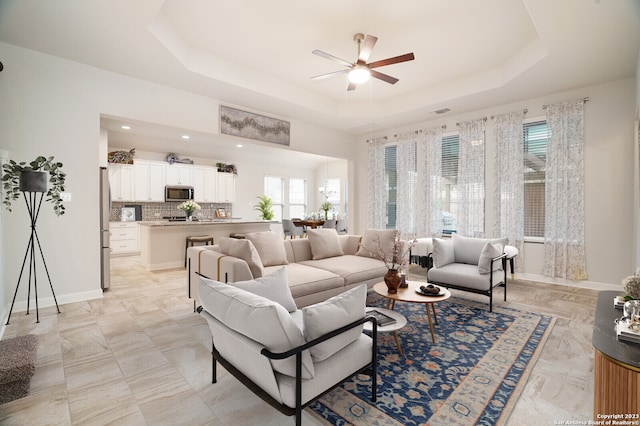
(616, 365)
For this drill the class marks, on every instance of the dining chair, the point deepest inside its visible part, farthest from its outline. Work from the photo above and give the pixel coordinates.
(290, 229)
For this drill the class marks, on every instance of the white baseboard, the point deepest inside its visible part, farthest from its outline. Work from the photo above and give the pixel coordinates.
(591, 285)
(45, 302)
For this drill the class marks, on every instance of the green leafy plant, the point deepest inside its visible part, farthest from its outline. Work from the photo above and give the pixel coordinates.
(11, 181)
(326, 206)
(265, 207)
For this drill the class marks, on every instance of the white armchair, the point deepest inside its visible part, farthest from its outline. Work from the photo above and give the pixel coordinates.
(471, 264)
(288, 359)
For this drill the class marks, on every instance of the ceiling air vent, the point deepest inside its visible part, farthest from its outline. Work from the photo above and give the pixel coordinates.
(442, 111)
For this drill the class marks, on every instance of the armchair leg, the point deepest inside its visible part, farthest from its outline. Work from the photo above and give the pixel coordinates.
(214, 378)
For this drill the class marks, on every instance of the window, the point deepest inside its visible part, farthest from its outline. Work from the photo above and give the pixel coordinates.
(536, 135)
(297, 198)
(332, 193)
(391, 183)
(450, 150)
(274, 189)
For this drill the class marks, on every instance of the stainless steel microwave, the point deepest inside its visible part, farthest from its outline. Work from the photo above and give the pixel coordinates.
(178, 193)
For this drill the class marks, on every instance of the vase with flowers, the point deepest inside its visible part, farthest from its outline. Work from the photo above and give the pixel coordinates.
(395, 259)
(189, 207)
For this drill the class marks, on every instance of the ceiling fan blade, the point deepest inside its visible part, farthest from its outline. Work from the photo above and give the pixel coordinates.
(351, 86)
(367, 47)
(384, 77)
(329, 74)
(332, 58)
(402, 58)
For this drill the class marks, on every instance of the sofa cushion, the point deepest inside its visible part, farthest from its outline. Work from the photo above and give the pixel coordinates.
(258, 318)
(274, 286)
(270, 247)
(304, 280)
(489, 251)
(443, 253)
(245, 250)
(331, 314)
(324, 243)
(376, 240)
(463, 275)
(353, 269)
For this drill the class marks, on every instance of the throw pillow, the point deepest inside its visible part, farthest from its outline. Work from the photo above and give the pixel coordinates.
(443, 253)
(489, 251)
(375, 240)
(244, 250)
(273, 286)
(324, 243)
(269, 246)
(259, 319)
(333, 313)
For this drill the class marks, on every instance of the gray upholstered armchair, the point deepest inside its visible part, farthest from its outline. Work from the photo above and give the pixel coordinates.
(263, 343)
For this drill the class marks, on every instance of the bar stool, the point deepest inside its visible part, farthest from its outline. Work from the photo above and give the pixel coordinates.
(196, 239)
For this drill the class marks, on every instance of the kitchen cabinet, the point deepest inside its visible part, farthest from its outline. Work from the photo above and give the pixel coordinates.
(226, 188)
(149, 181)
(179, 174)
(124, 238)
(205, 184)
(121, 182)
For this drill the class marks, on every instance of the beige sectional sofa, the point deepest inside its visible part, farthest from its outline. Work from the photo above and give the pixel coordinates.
(320, 266)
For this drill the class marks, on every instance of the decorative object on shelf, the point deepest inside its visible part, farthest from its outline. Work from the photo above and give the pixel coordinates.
(172, 158)
(265, 207)
(631, 287)
(31, 181)
(227, 168)
(253, 126)
(189, 207)
(392, 280)
(122, 157)
(325, 207)
(220, 213)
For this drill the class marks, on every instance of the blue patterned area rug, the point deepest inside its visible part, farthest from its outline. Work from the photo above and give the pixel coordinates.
(473, 374)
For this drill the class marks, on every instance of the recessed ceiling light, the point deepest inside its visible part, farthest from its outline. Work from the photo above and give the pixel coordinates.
(125, 127)
(239, 146)
(186, 137)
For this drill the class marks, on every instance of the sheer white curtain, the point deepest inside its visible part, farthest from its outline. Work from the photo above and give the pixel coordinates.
(564, 252)
(406, 191)
(430, 165)
(471, 179)
(376, 195)
(508, 201)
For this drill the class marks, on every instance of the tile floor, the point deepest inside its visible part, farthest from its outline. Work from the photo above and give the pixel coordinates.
(140, 356)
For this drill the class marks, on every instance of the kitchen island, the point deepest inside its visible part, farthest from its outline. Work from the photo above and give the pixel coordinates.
(162, 243)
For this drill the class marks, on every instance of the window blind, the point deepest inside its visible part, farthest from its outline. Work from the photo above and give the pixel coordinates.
(536, 135)
(391, 180)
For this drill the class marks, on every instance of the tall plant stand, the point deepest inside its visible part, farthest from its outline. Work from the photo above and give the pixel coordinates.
(33, 203)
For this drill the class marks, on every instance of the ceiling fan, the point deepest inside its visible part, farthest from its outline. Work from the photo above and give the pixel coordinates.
(360, 71)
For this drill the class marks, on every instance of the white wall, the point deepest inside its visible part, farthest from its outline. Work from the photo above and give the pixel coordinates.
(51, 106)
(609, 180)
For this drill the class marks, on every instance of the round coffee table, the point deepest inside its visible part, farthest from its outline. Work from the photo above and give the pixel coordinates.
(401, 321)
(409, 295)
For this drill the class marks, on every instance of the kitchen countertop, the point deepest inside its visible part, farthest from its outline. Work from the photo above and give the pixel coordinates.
(153, 223)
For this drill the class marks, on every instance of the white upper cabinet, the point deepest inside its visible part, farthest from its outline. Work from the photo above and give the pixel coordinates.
(179, 174)
(121, 182)
(226, 188)
(149, 180)
(205, 184)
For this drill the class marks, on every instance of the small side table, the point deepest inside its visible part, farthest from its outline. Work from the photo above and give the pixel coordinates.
(401, 321)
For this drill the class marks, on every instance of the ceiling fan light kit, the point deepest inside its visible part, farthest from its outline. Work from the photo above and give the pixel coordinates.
(360, 71)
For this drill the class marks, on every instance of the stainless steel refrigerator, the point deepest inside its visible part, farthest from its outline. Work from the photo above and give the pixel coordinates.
(105, 211)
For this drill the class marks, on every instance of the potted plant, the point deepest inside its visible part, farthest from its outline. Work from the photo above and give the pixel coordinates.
(189, 206)
(32, 177)
(326, 206)
(265, 207)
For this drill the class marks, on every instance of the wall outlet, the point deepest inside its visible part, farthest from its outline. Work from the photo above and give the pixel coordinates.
(65, 196)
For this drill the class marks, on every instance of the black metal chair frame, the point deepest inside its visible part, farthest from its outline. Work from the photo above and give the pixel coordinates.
(489, 292)
(370, 369)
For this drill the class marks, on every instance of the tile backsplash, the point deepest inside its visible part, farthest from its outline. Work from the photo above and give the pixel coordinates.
(156, 211)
